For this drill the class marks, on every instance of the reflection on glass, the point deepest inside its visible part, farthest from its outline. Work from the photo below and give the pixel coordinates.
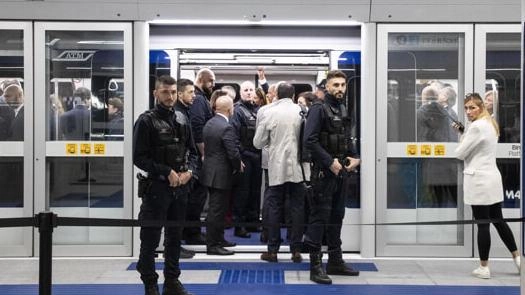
(423, 82)
(85, 182)
(85, 71)
(422, 183)
(11, 97)
(86, 187)
(503, 85)
(510, 174)
(12, 182)
(422, 190)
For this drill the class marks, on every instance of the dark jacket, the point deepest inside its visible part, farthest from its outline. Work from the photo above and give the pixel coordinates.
(244, 118)
(317, 121)
(75, 124)
(116, 126)
(7, 115)
(433, 123)
(17, 126)
(144, 142)
(221, 154)
(200, 112)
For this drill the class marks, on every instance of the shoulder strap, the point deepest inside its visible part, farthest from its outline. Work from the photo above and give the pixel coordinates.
(303, 114)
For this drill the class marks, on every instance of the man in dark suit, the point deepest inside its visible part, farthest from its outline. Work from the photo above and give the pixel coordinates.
(221, 160)
(75, 124)
(14, 97)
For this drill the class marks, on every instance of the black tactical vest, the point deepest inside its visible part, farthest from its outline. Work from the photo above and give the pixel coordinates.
(170, 142)
(334, 135)
(248, 130)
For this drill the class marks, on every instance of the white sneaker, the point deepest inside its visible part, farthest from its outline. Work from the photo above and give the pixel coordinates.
(482, 272)
(517, 262)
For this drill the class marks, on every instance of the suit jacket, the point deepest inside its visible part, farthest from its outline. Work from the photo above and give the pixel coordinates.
(17, 127)
(221, 154)
(75, 123)
(482, 184)
(280, 128)
(7, 115)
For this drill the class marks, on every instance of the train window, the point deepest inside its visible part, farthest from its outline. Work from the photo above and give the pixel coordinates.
(86, 88)
(503, 83)
(11, 182)
(424, 79)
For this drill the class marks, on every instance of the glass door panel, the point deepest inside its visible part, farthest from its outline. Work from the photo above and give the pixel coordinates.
(421, 70)
(498, 80)
(16, 109)
(86, 94)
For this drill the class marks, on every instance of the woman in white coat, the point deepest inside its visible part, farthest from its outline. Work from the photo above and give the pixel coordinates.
(482, 184)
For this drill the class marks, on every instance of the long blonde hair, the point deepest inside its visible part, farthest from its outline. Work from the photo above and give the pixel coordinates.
(478, 101)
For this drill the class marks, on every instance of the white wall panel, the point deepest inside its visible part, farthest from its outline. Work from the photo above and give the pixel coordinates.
(445, 11)
(262, 12)
(266, 11)
(71, 10)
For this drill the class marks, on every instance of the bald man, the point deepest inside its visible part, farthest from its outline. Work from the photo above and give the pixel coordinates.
(221, 160)
(14, 97)
(247, 195)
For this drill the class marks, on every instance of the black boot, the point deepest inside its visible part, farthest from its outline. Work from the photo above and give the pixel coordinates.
(174, 287)
(151, 289)
(336, 265)
(317, 273)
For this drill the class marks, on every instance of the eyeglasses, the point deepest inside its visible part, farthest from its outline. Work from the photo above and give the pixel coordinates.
(473, 95)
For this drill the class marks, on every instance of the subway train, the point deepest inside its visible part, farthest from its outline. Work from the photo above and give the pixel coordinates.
(388, 61)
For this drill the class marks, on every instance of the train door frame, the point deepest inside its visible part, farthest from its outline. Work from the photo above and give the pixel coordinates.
(23, 149)
(117, 149)
(505, 150)
(164, 37)
(391, 150)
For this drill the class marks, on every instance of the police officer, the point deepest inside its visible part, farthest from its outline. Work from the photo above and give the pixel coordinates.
(247, 195)
(186, 96)
(163, 147)
(326, 138)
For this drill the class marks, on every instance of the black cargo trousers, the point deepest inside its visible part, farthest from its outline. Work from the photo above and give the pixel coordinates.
(164, 203)
(327, 210)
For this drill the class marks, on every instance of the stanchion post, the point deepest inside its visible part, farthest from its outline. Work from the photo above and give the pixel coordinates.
(45, 221)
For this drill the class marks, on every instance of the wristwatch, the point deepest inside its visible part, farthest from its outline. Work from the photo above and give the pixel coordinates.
(190, 171)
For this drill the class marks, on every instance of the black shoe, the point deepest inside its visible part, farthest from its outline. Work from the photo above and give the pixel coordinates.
(186, 254)
(196, 240)
(151, 289)
(241, 232)
(340, 269)
(297, 257)
(218, 251)
(317, 273)
(269, 256)
(174, 287)
(228, 244)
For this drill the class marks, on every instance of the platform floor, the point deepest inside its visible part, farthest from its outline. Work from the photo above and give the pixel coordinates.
(244, 273)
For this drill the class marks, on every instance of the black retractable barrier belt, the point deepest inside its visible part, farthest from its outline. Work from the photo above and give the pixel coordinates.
(111, 222)
(74, 221)
(17, 222)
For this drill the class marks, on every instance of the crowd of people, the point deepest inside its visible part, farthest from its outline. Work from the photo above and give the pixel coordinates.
(199, 143)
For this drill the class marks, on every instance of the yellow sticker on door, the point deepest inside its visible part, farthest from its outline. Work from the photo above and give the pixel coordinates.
(85, 148)
(71, 148)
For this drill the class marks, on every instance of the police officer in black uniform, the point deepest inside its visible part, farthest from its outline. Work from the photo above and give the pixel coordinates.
(163, 147)
(327, 139)
(247, 195)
